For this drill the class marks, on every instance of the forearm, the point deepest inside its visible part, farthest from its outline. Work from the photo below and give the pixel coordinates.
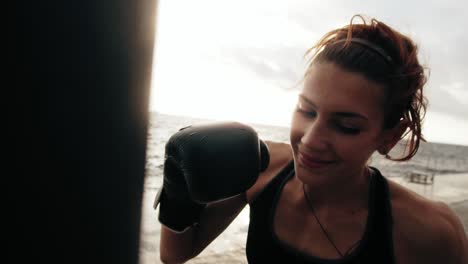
(175, 247)
(215, 219)
(180, 247)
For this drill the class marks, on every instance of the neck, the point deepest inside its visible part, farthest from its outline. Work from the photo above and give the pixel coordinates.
(349, 193)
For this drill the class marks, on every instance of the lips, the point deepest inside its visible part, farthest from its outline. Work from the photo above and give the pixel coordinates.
(312, 162)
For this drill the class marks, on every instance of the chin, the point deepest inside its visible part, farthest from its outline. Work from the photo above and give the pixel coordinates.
(313, 175)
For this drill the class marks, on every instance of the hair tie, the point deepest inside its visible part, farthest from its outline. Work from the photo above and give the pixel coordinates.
(369, 45)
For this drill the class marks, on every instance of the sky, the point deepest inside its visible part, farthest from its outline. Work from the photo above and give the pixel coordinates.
(241, 60)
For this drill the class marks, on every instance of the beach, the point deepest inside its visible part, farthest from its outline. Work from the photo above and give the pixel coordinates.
(448, 163)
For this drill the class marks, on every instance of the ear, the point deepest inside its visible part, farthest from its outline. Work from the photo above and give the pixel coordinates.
(391, 137)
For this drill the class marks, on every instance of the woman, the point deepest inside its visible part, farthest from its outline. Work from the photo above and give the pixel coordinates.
(319, 201)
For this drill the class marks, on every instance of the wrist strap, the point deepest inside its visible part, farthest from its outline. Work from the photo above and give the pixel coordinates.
(177, 215)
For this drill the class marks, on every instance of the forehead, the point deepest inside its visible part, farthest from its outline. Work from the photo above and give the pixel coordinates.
(332, 88)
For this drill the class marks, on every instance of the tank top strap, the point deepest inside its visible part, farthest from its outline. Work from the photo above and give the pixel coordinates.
(270, 188)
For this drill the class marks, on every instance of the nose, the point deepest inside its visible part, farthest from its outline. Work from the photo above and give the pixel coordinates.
(316, 136)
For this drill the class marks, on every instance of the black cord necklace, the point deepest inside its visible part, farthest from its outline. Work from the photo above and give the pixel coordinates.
(309, 203)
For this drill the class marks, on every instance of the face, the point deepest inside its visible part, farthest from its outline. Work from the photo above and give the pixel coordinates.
(336, 126)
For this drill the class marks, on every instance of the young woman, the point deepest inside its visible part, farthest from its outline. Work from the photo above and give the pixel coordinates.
(319, 201)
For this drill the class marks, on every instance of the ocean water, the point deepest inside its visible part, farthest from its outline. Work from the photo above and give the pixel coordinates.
(431, 157)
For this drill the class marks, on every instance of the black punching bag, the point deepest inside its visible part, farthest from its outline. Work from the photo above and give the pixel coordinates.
(76, 129)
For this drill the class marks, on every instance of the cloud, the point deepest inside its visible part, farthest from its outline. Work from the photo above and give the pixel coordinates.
(279, 65)
(260, 45)
(438, 27)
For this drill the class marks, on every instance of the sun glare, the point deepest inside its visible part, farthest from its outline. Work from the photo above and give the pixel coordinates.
(196, 71)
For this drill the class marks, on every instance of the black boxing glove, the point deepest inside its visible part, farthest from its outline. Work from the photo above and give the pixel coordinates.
(204, 164)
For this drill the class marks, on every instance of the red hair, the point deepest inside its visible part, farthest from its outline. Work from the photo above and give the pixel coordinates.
(386, 57)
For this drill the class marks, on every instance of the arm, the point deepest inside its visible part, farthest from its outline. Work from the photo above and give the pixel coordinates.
(426, 231)
(458, 238)
(452, 244)
(207, 170)
(463, 242)
(215, 218)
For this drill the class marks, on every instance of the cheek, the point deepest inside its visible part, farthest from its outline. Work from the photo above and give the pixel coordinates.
(297, 130)
(357, 150)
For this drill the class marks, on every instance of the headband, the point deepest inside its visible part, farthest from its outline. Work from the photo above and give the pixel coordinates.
(369, 45)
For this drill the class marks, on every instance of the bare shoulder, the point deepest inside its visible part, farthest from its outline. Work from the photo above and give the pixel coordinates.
(425, 231)
(280, 155)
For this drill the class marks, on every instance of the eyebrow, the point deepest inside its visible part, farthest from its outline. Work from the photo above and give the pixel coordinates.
(340, 114)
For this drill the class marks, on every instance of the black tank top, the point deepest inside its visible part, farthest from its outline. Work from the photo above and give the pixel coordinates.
(376, 246)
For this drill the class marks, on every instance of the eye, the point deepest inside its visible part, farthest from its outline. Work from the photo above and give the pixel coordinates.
(306, 112)
(347, 129)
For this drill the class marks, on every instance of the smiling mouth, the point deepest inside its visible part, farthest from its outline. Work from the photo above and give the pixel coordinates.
(313, 163)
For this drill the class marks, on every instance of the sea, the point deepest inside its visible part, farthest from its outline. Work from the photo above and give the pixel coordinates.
(431, 157)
